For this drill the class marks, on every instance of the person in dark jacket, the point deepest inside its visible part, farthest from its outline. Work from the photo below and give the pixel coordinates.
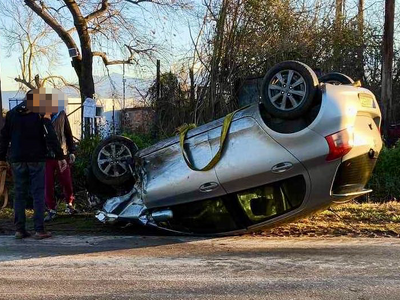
(29, 135)
(64, 134)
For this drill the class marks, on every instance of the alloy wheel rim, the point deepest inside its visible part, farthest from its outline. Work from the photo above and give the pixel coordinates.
(111, 159)
(287, 90)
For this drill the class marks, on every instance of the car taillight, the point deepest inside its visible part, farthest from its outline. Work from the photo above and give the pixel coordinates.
(340, 143)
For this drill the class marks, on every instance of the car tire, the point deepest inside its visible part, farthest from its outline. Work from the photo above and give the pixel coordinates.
(289, 89)
(336, 78)
(96, 187)
(111, 159)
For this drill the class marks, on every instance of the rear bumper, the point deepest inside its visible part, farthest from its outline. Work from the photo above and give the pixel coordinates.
(338, 198)
(352, 176)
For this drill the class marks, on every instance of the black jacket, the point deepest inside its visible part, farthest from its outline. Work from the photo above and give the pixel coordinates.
(64, 133)
(25, 131)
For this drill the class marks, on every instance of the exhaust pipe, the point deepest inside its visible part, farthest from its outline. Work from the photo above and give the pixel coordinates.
(162, 215)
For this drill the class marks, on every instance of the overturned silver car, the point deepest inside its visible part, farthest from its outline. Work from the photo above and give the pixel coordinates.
(309, 143)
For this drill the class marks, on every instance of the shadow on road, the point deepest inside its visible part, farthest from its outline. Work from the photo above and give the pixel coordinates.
(82, 234)
(12, 249)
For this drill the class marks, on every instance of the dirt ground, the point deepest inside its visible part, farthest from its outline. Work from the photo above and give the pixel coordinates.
(353, 219)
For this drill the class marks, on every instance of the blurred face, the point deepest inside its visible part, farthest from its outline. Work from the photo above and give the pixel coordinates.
(45, 100)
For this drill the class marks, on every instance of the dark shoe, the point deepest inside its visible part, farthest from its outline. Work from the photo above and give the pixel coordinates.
(70, 209)
(51, 214)
(19, 235)
(42, 235)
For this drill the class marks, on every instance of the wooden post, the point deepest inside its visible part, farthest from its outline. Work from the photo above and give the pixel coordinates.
(387, 66)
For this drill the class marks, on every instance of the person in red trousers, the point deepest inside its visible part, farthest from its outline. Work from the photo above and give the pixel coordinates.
(64, 134)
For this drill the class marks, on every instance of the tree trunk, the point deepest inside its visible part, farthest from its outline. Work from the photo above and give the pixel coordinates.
(337, 35)
(339, 12)
(158, 80)
(85, 74)
(192, 87)
(360, 50)
(216, 56)
(387, 67)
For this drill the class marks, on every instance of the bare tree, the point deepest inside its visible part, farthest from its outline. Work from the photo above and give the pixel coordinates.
(95, 25)
(98, 27)
(31, 39)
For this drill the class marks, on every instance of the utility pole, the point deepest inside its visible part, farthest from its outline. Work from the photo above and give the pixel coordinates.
(123, 119)
(123, 85)
(387, 66)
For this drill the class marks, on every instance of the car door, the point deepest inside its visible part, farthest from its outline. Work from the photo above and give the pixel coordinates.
(259, 175)
(251, 157)
(171, 182)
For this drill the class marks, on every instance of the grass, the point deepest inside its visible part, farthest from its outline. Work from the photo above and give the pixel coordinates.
(78, 224)
(352, 219)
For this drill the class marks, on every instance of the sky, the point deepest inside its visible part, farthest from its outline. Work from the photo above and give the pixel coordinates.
(170, 31)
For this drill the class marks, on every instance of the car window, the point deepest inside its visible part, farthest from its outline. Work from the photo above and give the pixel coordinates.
(206, 216)
(238, 210)
(265, 202)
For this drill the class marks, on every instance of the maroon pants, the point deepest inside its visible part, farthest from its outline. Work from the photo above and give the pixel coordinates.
(65, 181)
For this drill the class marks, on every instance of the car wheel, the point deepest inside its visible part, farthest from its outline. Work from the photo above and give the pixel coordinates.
(336, 78)
(288, 89)
(111, 158)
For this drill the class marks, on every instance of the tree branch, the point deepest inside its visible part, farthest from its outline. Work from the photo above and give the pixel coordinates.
(63, 80)
(104, 7)
(24, 82)
(137, 2)
(129, 60)
(74, 9)
(160, 2)
(62, 33)
(107, 62)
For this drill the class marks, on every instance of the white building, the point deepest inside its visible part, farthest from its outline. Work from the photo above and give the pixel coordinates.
(108, 112)
(107, 121)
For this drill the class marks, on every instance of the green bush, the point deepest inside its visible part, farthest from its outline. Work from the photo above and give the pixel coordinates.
(84, 152)
(141, 140)
(385, 180)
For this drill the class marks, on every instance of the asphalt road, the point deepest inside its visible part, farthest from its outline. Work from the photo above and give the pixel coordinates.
(152, 267)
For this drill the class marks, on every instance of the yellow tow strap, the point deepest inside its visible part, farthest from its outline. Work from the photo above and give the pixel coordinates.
(224, 133)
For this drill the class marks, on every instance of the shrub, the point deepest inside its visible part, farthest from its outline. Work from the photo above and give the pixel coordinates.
(385, 180)
(84, 154)
(141, 140)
